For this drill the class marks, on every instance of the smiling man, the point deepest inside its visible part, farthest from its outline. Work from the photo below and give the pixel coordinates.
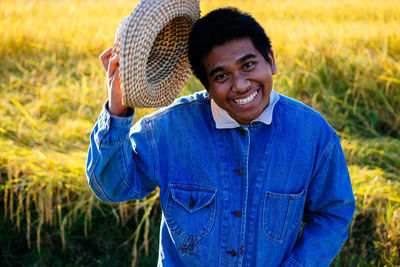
(247, 176)
(239, 79)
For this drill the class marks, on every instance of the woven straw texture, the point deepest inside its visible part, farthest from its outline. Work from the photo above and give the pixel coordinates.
(152, 45)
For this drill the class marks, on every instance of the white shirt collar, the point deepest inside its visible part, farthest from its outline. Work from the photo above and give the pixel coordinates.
(224, 121)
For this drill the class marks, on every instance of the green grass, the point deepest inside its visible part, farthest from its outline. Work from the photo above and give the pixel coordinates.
(340, 57)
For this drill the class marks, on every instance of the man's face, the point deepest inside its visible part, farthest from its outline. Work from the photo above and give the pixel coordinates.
(240, 79)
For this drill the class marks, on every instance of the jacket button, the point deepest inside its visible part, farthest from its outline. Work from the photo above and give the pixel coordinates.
(241, 250)
(232, 252)
(191, 203)
(242, 131)
(237, 213)
(239, 171)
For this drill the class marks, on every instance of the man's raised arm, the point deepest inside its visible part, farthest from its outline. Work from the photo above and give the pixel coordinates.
(120, 159)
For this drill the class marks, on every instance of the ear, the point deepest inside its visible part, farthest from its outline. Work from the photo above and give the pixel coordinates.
(274, 70)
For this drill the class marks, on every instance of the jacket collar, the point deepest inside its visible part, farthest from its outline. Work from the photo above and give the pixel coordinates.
(224, 121)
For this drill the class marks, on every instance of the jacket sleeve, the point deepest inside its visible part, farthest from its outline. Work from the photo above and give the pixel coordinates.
(121, 161)
(328, 211)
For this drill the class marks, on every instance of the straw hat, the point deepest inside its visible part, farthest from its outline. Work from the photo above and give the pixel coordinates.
(152, 44)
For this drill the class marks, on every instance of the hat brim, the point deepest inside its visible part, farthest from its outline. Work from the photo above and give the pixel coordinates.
(152, 45)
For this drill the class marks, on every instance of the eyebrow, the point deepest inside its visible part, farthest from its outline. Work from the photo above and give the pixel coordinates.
(240, 60)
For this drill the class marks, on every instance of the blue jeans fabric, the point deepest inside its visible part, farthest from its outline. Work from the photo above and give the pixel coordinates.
(256, 195)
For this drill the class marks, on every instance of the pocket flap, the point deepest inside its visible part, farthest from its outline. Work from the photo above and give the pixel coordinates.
(192, 197)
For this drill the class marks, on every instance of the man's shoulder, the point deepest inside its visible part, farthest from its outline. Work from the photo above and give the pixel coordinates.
(182, 106)
(197, 97)
(294, 111)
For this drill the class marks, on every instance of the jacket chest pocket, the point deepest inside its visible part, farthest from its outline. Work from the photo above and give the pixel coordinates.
(281, 214)
(190, 211)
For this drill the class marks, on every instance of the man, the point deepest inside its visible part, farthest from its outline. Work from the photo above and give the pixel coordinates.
(247, 177)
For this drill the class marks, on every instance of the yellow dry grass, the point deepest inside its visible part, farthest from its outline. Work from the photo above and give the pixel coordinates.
(339, 56)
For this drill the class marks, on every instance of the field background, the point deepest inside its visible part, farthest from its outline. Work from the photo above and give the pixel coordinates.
(340, 57)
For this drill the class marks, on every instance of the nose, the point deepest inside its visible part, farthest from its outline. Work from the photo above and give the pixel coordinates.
(240, 83)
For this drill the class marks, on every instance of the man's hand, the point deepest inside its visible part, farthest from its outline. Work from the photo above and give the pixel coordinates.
(111, 66)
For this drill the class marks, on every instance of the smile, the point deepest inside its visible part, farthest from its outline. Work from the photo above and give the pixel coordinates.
(247, 99)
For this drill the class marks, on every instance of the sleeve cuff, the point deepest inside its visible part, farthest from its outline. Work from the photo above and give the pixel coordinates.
(289, 262)
(113, 129)
(118, 121)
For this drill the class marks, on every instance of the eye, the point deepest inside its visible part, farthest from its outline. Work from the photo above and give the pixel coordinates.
(221, 77)
(249, 65)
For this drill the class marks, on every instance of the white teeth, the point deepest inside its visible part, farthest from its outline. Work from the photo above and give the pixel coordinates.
(247, 99)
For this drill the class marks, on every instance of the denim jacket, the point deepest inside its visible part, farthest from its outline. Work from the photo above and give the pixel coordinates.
(256, 195)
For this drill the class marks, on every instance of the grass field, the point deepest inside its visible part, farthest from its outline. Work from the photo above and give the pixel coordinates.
(341, 57)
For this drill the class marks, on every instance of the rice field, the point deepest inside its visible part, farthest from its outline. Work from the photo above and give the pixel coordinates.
(340, 57)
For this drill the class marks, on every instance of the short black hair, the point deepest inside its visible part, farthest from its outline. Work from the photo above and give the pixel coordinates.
(219, 27)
